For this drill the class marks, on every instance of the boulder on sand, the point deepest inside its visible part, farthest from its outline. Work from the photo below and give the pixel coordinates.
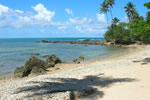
(33, 62)
(81, 58)
(36, 66)
(19, 72)
(54, 59)
(78, 61)
(38, 71)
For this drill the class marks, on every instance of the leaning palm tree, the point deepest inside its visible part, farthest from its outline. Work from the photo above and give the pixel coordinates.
(130, 10)
(104, 9)
(110, 4)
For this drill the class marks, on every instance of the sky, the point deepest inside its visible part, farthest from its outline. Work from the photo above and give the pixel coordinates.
(59, 18)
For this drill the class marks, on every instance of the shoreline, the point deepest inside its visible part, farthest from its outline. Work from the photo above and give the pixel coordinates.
(121, 72)
(131, 50)
(9, 77)
(84, 42)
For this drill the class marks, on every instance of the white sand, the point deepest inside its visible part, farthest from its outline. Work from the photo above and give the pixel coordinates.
(115, 79)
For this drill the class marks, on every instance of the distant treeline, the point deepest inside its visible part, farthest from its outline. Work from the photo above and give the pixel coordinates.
(137, 28)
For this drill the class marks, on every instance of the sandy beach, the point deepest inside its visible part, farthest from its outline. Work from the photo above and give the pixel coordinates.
(118, 78)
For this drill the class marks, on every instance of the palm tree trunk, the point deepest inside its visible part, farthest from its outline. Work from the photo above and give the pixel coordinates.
(111, 13)
(107, 19)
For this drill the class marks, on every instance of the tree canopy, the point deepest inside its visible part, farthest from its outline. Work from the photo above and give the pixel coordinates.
(137, 29)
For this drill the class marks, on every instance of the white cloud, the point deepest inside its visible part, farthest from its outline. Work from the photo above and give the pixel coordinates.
(95, 28)
(43, 13)
(20, 19)
(124, 19)
(79, 20)
(43, 18)
(100, 17)
(69, 11)
(87, 25)
(3, 9)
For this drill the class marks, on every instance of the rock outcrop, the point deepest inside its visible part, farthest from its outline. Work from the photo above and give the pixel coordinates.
(78, 60)
(36, 66)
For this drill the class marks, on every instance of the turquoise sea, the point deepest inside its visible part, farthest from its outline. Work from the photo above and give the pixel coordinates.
(15, 52)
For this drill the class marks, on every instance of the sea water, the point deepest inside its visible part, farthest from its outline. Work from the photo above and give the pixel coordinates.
(15, 52)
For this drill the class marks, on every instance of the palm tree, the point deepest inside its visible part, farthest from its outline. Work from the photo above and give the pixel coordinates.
(115, 20)
(110, 3)
(148, 13)
(114, 24)
(130, 10)
(147, 5)
(104, 9)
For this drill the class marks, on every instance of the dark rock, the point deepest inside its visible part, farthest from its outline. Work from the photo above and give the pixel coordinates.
(46, 56)
(76, 61)
(33, 62)
(44, 41)
(36, 66)
(53, 58)
(50, 64)
(146, 60)
(86, 40)
(81, 58)
(38, 71)
(19, 72)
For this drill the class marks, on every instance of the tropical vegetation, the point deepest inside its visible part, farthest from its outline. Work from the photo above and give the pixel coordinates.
(137, 29)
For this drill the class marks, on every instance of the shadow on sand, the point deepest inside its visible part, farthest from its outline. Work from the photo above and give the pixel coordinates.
(77, 88)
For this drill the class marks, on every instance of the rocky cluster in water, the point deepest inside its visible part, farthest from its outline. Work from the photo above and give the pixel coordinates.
(36, 66)
(85, 42)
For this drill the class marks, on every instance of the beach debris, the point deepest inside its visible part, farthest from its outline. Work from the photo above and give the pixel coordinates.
(36, 66)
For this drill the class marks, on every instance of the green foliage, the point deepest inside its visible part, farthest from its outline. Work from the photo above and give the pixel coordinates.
(147, 5)
(115, 21)
(138, 28)
(144, 30)
(119, 35)
(108, 36)
(148, 17)
(130, 10)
